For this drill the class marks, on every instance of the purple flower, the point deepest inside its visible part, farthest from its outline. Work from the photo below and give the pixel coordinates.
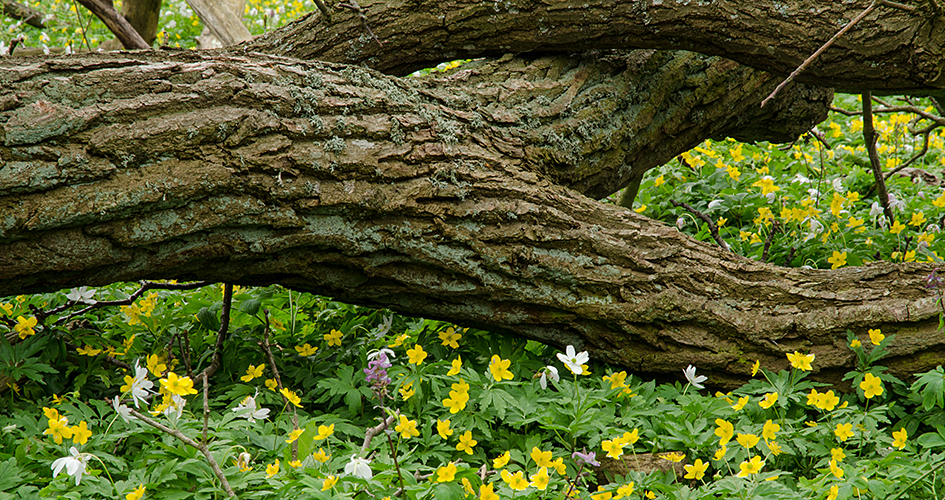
(585, 458)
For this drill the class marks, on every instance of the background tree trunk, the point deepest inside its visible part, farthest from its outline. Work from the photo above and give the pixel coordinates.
(890, 51)
(426, 199)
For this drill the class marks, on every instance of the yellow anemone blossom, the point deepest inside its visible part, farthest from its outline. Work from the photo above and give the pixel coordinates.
(696, 470)
(181, 386)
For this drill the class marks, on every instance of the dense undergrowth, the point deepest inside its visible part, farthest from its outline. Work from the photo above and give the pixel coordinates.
(469, 413)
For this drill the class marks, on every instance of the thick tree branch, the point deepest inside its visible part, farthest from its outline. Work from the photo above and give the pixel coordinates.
(388, 193)
(898, 52)
(126, 34)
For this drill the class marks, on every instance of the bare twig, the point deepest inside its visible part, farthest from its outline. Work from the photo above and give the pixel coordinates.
(275, 374)
(807, 62)
(775, 227)
(373, 431)
(221, 333)
(190, 442)
(869, 137)
(116, 23)
(713, 229)
(353, 5)
(145, 286)
(26, 14)
(206, 406)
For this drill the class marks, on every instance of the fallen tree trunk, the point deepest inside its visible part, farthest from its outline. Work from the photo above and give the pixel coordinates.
(383, 192)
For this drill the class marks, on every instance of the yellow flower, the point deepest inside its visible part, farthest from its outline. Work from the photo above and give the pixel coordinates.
(828, 401)
(455, 366)
(88, 350)
(918, 219)
(674, 456)
(486, 492)
(696, 470)
(457, 401)
(938, 202)
(7, 308)
(501, 460)
(733, 172)
(629, 438)
(407, 391)
(181, 386)
(59, 429)
(295, 463)
(769, 430)
(896, 228)
(767, 185)
(449, 337)
(156, 365)
(899, 438)
(500, 368)
(136, 494)
(834, 490)
(446, 473)
(747, 440)
(443, 428)
(640, 209)
(294, 435)
(305, 349)
(333, 338)
(399, 341)
(24, 327)
(837, 454)
(720, 453)
(836, 470)
(466, 443)
(721, 222)
(253, 372)
(724, 431)
(855, 344)
(871, 385)
(624, 491)
(836, 204)
(515, 481)
(742, 401)
(613, 447)
(801, 361)
(876, 336)
(329, 483)
(272, 469)
(81, 433)
(541, 479)
(541, 458)
(272, 384)
(838, 259)
(843, 431)
(616, 379)
(752, 466)
(755, 367)
(291, 396)
(601, 495)
(407, 428)
(926, 238)
(769, 400)
(320, 456)
(774, 447)
(658, 181)
(649, 494)
(416, 355)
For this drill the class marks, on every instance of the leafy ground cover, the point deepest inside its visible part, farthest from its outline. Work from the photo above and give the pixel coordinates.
(316, 399)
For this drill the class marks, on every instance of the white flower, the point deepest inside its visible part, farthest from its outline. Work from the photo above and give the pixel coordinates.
(813, 193)
(715, 204)
(75, 465)
(771, 197)
(800, 178)
(549, 372)
(81, 294)
(375, 354)
(176, 407)
(875, 209)
(122, 410)
(696, 382)
(359, 467)
(248, 409)
(140, 385)
(838, 185)
(574, 360)
(895, 203)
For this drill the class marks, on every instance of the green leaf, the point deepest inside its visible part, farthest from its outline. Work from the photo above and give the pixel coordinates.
(250, 306)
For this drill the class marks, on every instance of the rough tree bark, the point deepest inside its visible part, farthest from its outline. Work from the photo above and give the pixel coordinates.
(466, 197)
